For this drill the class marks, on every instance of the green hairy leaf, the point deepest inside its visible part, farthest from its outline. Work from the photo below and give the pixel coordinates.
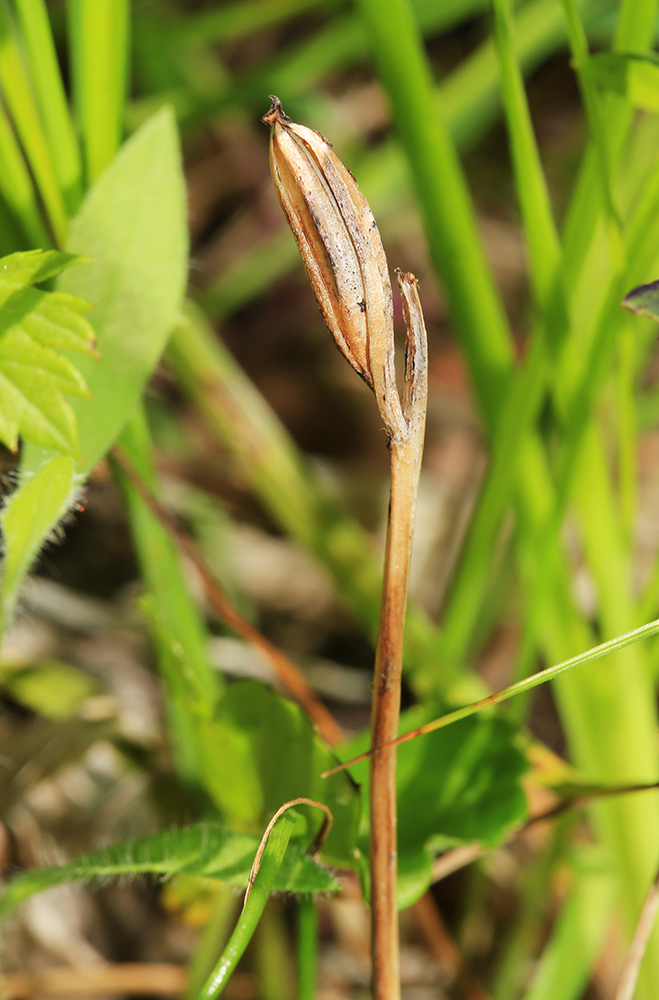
(204, 849)
(27, 519)
(35, 377)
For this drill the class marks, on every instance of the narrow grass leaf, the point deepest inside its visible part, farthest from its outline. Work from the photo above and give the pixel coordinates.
(98, 31)
(18, 187)
(444, 199)
(264, 882)
(17, 93)
(527, 684)
(51, 98)
(191, 687)
(565, 965)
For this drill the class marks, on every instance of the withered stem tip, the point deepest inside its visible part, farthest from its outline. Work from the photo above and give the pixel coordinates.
(276, 112)
(406, 277)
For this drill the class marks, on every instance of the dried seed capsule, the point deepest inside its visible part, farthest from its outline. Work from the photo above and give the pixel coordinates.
(342, 252)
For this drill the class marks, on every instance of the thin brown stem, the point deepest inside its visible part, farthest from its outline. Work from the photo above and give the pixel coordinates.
(405, 466)
(284, 669)
(384, 727)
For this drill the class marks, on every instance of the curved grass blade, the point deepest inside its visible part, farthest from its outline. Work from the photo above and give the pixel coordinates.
(269, 858)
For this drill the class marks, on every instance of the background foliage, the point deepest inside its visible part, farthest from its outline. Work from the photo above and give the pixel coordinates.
(509, 158)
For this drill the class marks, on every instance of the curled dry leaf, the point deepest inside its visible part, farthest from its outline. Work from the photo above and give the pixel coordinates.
(342, 252)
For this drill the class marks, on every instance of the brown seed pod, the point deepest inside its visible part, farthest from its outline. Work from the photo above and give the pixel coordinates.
(342, 252)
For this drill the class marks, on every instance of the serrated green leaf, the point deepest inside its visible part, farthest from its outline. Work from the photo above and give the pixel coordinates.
(261, 750)
(632, 75)
(27, 520)
(34, 266)
(204, 849)
(34, 377)
(463, 788)
(644, 301)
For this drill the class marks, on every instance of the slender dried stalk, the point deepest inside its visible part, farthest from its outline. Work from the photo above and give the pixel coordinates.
(284, 669)
(405, 467)
(342, 252)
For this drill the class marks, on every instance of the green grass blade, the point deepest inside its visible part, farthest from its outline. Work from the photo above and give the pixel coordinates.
(526, 392)
(441, 188)
(529, 683)
(18, 188)
(262, 886)
(579, 935)
(18, 95)
(51, 97)
(539, 227)
(99, 49)
(307, 949)
(636, 27)
(192, 687)
(238, 19)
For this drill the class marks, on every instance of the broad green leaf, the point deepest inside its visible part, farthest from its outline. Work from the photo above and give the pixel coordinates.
(262, 751)
(462, 788)
(632, 75)
(644, 301)
(35, 377)
(205, 849)
(28, 518)
(133, 225)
